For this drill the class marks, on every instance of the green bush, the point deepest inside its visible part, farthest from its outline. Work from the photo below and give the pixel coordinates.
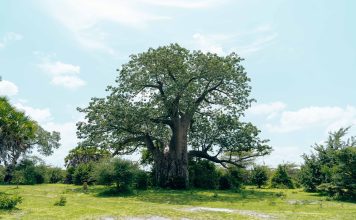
(55, 175)
(237, 176)
(116, 171)
(141, 180)
(83, 173)
(281, 179)
(203, 174)
(225, 182)
(331, 168)
(61, 202)
(2, 174)
(28, 173)
(9, 202)
(259, 175)
(68, 179)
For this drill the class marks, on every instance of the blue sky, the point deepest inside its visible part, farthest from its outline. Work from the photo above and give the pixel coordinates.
(300, 55)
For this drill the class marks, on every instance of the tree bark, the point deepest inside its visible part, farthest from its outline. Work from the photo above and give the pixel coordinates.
(171, 165)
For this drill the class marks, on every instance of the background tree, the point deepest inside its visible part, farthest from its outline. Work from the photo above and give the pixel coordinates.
(259, 175)
(19, 135)
(176, 103)
(281, 179)
(331, 168)
(84, 154)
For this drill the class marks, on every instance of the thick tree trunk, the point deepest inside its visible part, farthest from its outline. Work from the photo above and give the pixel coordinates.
(171, 166)
(9, 173)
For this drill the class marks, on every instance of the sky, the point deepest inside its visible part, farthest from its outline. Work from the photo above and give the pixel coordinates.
(300, 55)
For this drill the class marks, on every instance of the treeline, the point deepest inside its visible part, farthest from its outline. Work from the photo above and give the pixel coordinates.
(330, 170)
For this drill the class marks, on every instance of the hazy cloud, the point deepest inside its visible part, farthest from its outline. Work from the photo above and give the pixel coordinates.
(8, 88)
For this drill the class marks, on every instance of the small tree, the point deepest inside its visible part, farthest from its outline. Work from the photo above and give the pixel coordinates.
(55, 174)
(281, 179)
(83, 173)
(260, 175)
(331, 168)
(116, 171)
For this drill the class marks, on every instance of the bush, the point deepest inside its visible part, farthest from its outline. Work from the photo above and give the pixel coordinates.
(116, 171)
(203, 174)
(9, 202)
(281, 179)
(141, 180)
(83, 174)
(2, 174)
(259, 176)
(331, 169)
(225, 182)
(55, 174)
(68, 179)
(61, 202)
(237, 176)
(27, 173)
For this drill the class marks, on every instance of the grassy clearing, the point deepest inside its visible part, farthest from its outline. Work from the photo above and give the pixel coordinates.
(39, 200)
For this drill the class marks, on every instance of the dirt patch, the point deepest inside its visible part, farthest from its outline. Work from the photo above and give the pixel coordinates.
(241, 212)
(302, 202)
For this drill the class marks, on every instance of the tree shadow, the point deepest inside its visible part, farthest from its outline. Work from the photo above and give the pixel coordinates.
(190, 197)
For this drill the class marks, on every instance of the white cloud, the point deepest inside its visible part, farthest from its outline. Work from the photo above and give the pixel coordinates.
(71, 82)
(269, 109)
(67, 131)
(58, 67)
(283, 154)
(84, 18)
(247, 42)
(8, 37)
(37, 114)
(68, 141)
(209, 43)
(8, 88)
(62, 74)
(257, 45)
(330, 118)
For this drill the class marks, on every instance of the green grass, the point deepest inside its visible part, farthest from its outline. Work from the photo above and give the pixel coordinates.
(38, 203)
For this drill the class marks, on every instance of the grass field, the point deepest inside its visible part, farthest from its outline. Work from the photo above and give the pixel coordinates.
(38, 203)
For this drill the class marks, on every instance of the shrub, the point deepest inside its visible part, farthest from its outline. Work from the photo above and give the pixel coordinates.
(259, 175)
(83, 174)
(55, 174)
(237, 177)
(9, 202)
(2, 174)
(225, 182)
(203, 174)
(27, 173)
(331, 168)
(116, 171)
(61, 202)
(281, 179)
(68, 179)
(141, 180)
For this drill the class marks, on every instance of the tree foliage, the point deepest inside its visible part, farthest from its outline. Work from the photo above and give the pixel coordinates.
(176, 103)
(84, 154)
(19, 135)
(281, 178)
(116, 171)
(259, 175)
(331, 168)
